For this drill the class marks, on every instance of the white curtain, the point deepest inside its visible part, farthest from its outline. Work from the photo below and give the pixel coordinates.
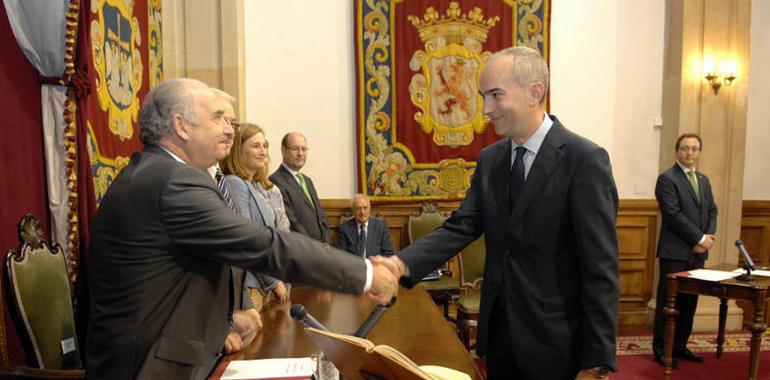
(39, 28)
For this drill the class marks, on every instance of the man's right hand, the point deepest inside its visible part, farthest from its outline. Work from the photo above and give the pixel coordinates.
(394, 263)
(707, 244)
(384, 283)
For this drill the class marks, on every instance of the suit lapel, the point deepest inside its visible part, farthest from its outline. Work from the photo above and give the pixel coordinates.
(542, 169)
(313, 194)
(260, 205)
(499, 182)
(373, 230)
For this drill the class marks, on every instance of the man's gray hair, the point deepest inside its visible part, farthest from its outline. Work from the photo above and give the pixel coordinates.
(528, 66)
(223, 95)
(171, 97)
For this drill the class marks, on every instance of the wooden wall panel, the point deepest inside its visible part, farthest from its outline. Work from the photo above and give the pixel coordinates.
(637, 228)
(755, 230)
(755, 233)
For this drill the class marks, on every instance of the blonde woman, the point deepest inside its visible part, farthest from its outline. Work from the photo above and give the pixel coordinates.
(257, 199)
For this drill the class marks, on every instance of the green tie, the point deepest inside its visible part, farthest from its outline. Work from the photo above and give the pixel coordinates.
(302, 182)
(694, 182)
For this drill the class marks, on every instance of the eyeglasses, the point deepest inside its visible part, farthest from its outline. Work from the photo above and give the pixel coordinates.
(298, 148)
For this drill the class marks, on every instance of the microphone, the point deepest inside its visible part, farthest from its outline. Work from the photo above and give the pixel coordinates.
(748, 263)
(373, 318)
(300, 314)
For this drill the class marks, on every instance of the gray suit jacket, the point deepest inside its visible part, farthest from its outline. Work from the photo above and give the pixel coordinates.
(685, 218)
(552, 261)
(253, 206)
(162, 245)
(304, 218)
(377, 237)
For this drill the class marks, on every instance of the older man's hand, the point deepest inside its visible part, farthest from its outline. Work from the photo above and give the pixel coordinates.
(246, 324)
(393, 263)
(384, 283)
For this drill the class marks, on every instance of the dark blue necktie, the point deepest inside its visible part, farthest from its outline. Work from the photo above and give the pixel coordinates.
(361, 243)
(516, 177)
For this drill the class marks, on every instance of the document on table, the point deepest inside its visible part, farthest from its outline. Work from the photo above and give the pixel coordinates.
(711, 275)
(284, 368)
(758, 272)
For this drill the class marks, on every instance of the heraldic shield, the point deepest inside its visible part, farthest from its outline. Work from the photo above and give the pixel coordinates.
(445, 87)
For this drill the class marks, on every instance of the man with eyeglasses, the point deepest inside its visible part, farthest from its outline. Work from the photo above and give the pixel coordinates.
(303, 208)
(689, 222)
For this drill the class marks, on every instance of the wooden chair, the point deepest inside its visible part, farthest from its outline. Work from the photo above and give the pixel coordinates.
(40, 287)
(471, 276)
(445, 288)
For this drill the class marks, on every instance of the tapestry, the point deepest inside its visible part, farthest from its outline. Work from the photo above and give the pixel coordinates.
(420, 122)
(125, 63)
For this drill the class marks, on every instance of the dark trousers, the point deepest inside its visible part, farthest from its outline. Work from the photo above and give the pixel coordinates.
(502, 362)
(685, 304)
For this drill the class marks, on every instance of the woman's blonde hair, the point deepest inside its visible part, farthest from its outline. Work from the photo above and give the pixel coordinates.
(233, 164)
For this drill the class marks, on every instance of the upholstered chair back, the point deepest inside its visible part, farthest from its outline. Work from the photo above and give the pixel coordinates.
(40, 287)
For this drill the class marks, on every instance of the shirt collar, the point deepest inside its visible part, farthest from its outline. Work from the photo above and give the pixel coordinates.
(684, 168)
(174, 156)
(534, 142)
(293, 173)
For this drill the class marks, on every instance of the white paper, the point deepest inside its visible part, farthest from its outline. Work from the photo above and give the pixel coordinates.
(758, 272)
(269, 368)
(712, 275)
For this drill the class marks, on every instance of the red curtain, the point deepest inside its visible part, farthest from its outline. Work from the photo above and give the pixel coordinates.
(22, 160)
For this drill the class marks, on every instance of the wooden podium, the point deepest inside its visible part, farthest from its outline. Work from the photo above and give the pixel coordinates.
(413, 325)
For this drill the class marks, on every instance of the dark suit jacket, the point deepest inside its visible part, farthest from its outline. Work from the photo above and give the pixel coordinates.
(162, 246)
(377, 237)
(552, 261)
(304, 218)
(685, 219)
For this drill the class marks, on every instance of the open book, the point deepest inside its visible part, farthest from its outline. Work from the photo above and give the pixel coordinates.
(356, 357)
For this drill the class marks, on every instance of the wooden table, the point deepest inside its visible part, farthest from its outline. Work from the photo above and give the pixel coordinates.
(413, 325)
(755, 291)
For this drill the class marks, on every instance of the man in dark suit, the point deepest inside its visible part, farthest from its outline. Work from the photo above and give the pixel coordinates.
(302, 205)
(163, 243)
(364, 236)
(546, 202)
(687, 233)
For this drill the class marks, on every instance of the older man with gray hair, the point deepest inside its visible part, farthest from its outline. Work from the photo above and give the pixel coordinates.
(163, 242)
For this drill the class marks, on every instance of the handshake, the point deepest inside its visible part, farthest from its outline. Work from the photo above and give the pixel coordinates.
(386, 271)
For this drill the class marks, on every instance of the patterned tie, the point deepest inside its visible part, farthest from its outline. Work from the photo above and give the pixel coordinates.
(302, 183)
(516, 177)
(694, 183)
(220, 177)
(361, 243)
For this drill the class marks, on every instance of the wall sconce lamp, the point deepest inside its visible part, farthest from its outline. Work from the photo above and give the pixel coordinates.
(716, 79)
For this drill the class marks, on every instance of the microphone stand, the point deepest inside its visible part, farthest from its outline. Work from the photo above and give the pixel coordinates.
(374, 316)
(748, 264)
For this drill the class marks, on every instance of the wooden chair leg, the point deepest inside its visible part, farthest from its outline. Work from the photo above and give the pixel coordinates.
(447, 300)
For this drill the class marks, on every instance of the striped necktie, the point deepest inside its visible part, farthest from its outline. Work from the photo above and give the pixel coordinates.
(361, 243)
(220, 177)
